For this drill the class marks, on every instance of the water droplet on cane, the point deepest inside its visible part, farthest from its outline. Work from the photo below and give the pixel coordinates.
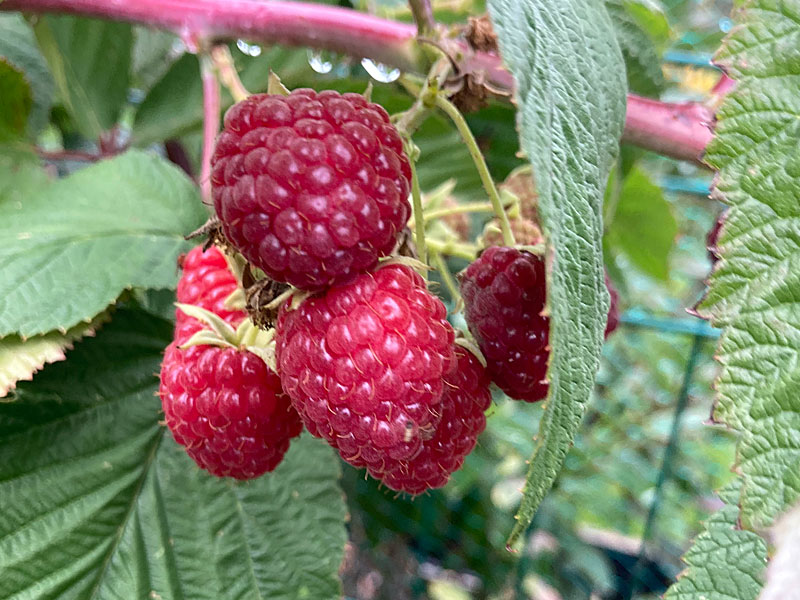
(379, 71)
(248, 49)
(320, 61)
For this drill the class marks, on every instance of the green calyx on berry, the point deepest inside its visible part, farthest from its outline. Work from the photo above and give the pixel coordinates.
(219, 333)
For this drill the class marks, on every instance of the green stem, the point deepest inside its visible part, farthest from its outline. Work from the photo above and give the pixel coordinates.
(465, 251)
(419, 216)
(414, 116)
(447, 277)
(483, 170)
(470, 207)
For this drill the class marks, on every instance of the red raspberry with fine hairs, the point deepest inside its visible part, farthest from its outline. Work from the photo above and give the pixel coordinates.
(504, 293)
(226, 407)
(311, 187)
(464, 401)
(364, 363)
(206, 282)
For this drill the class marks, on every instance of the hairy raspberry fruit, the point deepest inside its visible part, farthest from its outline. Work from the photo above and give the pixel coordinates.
(206, 282)
(311, 187)
(227, 408)
(465, 399)
(504, 293)
(363, 364)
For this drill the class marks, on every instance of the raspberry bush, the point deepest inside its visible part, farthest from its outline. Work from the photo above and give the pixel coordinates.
(264, 307)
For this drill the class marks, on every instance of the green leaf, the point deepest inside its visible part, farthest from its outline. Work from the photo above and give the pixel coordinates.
(153, 54)
(725, 562)
(72, 246)
(18, 47)
(90, 61)
(643, 227)
(174, 105)
(753, 292)
(99, 501)
(571, 97)
(15, 102)
(21, 358)
(643, 33)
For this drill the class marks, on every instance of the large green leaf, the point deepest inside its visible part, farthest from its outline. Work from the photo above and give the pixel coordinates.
(753, 292)
(18, 47)
(90, 61)
(15, 101)
(725, 562)
(571, 95)
(71, 246)
(643, 33)
(643, 227)
(99, 501)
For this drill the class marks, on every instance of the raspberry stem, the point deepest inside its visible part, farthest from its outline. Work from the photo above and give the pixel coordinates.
(450, 248)
(480, 164)
(419, 215)
(223, 62)
(470, 207)
(447, 278)
(211, 110)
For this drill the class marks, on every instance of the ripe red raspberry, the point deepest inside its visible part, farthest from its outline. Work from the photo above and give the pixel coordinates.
(363, 364)
(311, 188)
(206, 282)
(465, 399)
(227, 408)
(504, 293)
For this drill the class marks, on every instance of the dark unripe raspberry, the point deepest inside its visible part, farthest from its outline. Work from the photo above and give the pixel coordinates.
(363, 364)
(464, 401)
(312, 187)
(206, 282)
(713, 237)
(504, 293)
(613, 308)
(227, 409)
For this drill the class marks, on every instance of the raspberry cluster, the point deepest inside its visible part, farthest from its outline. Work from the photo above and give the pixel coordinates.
(224, 405)
(312, 188)
(504, 294)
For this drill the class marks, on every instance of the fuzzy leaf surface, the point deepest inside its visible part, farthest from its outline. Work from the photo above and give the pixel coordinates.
(73, 245)
(753, 292)
(100, 503)
(571, 95)
(724, 562)
(643, 33)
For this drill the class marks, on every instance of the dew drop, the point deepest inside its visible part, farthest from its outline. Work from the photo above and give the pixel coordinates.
(320, 61)
(248, 49)
(379, 71)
